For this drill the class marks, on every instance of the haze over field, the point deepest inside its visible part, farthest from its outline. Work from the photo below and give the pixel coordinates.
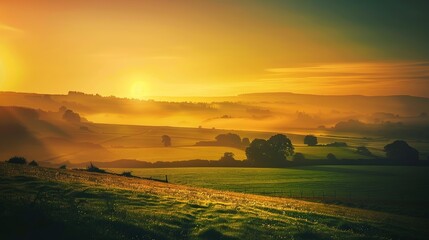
(38, 124)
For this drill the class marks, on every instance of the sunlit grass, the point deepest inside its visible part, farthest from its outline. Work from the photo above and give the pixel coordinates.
(80, 204)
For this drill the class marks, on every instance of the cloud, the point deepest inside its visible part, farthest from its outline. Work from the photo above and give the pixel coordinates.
(4, 27)
(390, 77)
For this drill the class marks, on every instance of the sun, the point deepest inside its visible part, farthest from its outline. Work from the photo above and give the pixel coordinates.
(139, 89)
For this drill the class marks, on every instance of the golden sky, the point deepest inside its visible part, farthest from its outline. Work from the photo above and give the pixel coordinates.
(146, 48)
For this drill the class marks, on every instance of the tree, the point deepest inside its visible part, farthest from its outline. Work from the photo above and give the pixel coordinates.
(258, 150)
(229, 139)
(281, 147)
(227, 156)
(33, 163)
(298, 157)
(17, 160)
(71, 116)
(331, 157)
(166, 140)
(310, 140)
(271, 152)
(363, 151)
(400, 151)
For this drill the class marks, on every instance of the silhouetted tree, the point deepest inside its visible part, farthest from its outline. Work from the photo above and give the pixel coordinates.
(274, 151)
(229, 139)
(227, 156)
(71, 116)
(400, 150)
(17, 160)
(281, 147)
(363, 151)
(258, 151)
(298, 157)
(331, 157)
(245, 142)
(33, 163)
(166, 140)
(310, 140)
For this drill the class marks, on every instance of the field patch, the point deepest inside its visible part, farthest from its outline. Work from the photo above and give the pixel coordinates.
(74, 204)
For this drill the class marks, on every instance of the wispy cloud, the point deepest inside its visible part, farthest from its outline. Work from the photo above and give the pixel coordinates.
(385, 77)
(358, 72)
(4, 27)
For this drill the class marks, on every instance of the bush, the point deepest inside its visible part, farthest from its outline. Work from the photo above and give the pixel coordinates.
(126, 174)
(63, 166)
(331, 157)
(17, 160)
(227, 156)
(337, 144)
(363, 151)
(33, 163)
(93, 168)
(298, 157)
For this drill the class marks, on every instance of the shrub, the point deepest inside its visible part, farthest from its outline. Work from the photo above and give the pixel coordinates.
(17, 160)
(63, 166)
(227, 156)
(93, 168)
(363, 151)
(33, 163)
(298, 157)
(331, 156)
(126, 174)
(337, 144)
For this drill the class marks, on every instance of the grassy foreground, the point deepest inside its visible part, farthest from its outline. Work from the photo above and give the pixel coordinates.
(42, 203)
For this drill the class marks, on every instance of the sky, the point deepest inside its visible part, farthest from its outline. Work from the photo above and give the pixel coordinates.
(139, 49)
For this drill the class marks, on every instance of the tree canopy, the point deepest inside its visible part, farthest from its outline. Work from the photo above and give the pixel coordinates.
(400, 150)
(310, 140)
(273, 151)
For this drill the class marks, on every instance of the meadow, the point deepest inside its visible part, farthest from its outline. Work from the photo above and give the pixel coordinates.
(401, 189)
(48, 203)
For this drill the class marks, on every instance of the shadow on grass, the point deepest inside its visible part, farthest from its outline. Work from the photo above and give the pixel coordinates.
(213, 234)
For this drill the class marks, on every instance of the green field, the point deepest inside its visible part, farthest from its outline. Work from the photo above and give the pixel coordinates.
(380, 187)
(41, 203)
(144, 143)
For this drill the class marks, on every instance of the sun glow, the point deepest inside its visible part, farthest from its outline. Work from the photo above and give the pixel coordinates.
(9, 67)
(139, 89)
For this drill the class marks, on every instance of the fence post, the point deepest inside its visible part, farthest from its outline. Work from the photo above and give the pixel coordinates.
(166, 179)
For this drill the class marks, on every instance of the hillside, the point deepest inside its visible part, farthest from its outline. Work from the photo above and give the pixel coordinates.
(253, 111)
(115, 207)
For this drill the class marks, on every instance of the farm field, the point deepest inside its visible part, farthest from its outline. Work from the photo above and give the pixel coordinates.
(144, 143)
(391, 188)
(74, 204)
